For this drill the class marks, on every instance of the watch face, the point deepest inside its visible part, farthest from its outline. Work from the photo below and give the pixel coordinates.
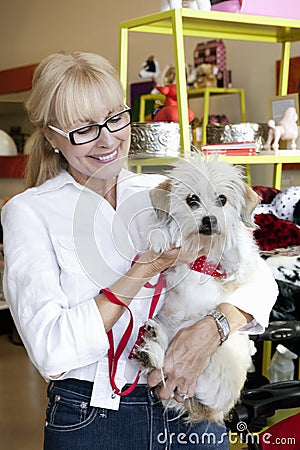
(222, 323)
(225, 326)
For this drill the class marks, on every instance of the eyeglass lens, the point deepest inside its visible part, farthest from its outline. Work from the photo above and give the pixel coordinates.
(91, 132)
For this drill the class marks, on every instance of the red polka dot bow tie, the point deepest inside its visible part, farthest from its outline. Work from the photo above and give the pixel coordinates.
(204, 266)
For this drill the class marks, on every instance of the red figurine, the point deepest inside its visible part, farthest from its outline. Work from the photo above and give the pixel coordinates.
(169, 113)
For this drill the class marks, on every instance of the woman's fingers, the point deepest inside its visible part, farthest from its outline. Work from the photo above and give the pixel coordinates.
(184, 392)
(187, 356)
(171, 386)
(173, 257)
(155, 377)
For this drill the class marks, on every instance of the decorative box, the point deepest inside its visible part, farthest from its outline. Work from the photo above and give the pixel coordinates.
(212, 52)
(151, 139)
(237, 132)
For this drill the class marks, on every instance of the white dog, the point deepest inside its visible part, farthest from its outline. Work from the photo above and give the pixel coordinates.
(205, 204)
(193, 4)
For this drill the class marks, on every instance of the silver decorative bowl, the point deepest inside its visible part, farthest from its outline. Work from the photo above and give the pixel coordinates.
(154, 139)
(237, 132)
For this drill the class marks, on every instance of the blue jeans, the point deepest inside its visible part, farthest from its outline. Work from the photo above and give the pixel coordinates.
(140, 424)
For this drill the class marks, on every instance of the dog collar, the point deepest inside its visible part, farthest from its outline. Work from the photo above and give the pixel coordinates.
(204, 266)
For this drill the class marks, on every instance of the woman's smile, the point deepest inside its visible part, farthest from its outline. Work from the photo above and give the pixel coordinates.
(105, 157)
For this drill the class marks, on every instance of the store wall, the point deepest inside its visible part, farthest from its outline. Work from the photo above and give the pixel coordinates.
(32, 29)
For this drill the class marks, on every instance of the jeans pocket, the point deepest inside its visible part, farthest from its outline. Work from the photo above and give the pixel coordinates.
(68, 411)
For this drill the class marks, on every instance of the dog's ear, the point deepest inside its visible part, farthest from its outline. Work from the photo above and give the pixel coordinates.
(161, 200)
(251, 201)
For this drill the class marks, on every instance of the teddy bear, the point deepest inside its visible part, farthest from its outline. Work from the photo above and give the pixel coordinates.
(169, 112)
(204, 75)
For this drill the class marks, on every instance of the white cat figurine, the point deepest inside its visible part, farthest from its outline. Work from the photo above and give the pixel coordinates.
(193, 4)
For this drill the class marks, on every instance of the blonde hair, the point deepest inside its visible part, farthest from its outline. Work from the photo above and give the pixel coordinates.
(66, 89)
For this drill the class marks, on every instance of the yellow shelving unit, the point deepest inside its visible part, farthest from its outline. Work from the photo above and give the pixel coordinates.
(275, 160)
(185, 22)
(145, 98)
(206, 93)
(210, 24)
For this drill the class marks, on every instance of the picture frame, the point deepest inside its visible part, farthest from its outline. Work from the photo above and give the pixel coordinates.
(280, 103)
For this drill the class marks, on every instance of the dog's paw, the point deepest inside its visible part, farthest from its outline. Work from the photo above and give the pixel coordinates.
(140, 352)
(159, 239)
(142, 356)
(151, 352)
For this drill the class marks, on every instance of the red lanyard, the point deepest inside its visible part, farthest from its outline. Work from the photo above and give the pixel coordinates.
(114, 356)
(200, 265)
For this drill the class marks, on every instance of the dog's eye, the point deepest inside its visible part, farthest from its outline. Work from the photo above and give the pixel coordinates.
(193, 200)
(222, 200)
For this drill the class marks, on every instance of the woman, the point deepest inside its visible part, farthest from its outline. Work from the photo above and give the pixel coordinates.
(79, 229)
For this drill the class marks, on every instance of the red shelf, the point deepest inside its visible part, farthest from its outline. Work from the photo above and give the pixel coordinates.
(12, 166)
(17, 79)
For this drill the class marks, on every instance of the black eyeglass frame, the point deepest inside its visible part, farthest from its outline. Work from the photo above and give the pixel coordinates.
(70, 134)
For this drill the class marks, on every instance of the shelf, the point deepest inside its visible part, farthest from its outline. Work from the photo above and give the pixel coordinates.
(276, 160)
(215, 24)
(192, 93)
(210, 24)
(257, 159)
(206, 93)
(12, 166)
(16, 80)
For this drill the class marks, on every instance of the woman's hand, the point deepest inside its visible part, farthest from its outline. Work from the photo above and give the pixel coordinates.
(188, 355)
(125, 289)
(154, 263)
(190, 351)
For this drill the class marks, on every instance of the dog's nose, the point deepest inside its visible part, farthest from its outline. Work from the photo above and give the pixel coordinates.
(209, 225)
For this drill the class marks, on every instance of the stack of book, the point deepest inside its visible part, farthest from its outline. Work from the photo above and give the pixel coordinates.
(230, 149)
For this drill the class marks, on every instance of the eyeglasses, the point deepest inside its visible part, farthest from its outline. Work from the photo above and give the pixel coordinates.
(89, 133)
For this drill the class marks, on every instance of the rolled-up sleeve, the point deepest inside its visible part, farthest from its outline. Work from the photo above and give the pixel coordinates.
(256, 297)
(58, 335)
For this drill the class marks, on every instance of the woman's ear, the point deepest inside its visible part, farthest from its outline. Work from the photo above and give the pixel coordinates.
(49, 137)
(251, 201)
(160, 198)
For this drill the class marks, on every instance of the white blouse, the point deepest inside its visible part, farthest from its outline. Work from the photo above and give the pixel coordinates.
(62, 244)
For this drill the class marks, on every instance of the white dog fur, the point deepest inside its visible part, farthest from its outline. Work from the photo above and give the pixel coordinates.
(204, 204)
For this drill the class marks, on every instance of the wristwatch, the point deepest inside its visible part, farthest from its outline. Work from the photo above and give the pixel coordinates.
(222, 324)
